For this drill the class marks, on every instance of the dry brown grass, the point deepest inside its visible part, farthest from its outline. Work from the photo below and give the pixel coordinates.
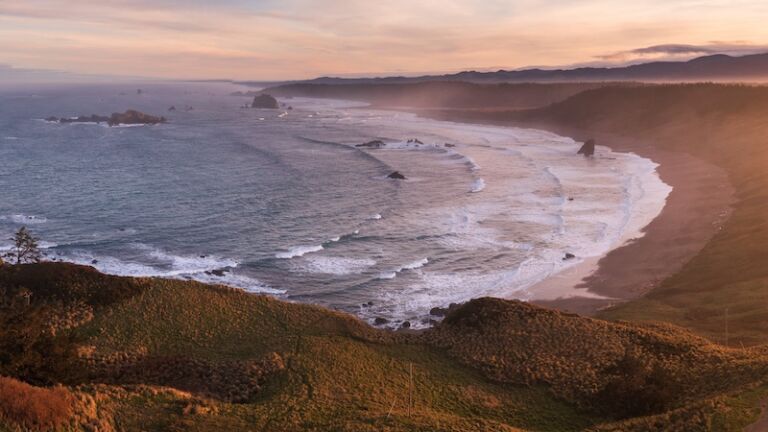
(34, 407)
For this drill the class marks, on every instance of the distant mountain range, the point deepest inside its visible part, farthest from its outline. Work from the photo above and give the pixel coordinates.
(719, 67)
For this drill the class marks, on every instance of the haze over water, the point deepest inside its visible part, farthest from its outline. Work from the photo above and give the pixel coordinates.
(284, 203)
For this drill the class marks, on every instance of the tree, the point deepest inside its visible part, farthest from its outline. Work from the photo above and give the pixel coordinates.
(25, 248)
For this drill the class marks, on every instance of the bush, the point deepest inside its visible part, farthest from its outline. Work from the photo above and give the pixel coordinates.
(638, 389)
(34, 407)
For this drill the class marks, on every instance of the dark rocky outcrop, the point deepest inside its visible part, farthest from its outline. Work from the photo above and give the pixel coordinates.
(127, 118)
(131, 117)
(264, 101)
(172, 108)
(569, 256)
(216, 272)
(380, 321)
(372, 144)
(414, 141)
(396, 175)
(438, 311)
(588, 149)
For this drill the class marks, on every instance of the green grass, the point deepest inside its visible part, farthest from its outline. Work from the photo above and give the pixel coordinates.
(493, 365)
(340, 372)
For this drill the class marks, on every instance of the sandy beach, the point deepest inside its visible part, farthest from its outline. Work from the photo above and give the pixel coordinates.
(695, 211)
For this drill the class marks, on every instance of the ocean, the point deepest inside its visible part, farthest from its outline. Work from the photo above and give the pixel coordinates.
(282, 201)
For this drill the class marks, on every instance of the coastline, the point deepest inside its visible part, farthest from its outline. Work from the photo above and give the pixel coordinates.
(695, 210)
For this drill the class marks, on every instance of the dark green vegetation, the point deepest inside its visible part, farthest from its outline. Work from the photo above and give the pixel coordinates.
(152, 354)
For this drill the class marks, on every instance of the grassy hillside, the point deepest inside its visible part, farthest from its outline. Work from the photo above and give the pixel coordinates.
(151, 354)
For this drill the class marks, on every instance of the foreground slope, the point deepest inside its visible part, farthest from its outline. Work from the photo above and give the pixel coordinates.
(152, 354)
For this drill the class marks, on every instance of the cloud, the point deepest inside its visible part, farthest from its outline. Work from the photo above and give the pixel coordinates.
(281, 39)
(682, 52)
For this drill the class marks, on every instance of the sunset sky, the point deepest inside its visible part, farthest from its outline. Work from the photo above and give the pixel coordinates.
(287, 39)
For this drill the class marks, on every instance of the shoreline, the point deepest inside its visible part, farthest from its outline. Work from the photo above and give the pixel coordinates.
(697, 207)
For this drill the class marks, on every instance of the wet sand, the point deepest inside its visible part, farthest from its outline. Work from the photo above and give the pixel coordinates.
(696, 209)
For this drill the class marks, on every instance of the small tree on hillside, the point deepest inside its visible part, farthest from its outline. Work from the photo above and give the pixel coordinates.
(25, 248)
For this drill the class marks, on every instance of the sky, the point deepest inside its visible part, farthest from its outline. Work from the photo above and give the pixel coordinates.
(297, 39)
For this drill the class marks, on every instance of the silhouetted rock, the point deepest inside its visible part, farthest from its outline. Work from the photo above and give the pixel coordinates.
(372, 144)
(132, 117)
(126, 118)
(264, 101)
(569, 256)
(414, 141)
(380, 321)
(405, 325)
(437, 311)
(588, 149)
(396, 175)
(172, 108)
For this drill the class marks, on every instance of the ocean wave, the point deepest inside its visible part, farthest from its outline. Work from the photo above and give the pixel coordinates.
(23, 219)
(42, 245)
(336, 265)
(377, 216)
(478, 185)
(210, 269)
(410, 266)
(298, 251)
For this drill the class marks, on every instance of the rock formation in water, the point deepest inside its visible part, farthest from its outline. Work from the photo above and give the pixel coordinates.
(172, 108)
(588, 149)
(127, 118)
(372, 144)
(132, 117)
(264, 101)
(396, 175)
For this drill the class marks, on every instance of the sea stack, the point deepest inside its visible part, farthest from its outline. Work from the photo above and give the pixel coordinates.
(133, 117)
(588, 149)
(264, 101)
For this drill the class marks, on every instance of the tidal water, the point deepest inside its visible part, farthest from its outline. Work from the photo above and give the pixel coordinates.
(282, 202)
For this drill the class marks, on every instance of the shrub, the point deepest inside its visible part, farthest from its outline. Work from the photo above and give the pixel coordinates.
(638, 389)
(34, 407)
